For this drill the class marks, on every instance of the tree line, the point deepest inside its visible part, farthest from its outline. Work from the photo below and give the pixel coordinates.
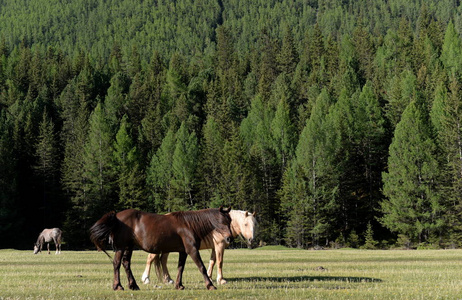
(337, 128)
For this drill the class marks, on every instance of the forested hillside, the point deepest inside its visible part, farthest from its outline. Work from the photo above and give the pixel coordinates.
(338, 122)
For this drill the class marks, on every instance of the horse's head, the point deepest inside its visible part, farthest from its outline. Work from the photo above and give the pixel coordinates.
(37, 248)
(225, 225)
(245, 224)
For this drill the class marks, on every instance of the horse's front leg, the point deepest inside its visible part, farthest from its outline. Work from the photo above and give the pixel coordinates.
(126, 261)
(116, 263)
(147, 269)
(213, 258)
(48, 247)
(179, 277)
(220, 251)
(56, 246)
(196, 257)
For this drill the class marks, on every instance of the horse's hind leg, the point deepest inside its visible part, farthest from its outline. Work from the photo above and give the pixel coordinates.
(179, 277)
(116, 262)
(126, 261)
(48, 247)
(166, 275)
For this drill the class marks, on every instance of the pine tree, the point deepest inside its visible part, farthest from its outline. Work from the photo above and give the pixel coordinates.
(98, 164)
(184, 164)
(236, 179)
(9, 210)
(74, 104)
(411, 185)
(160, 174)
(225, 48)
(446, 115)
(47, 166)
(283, 133)
(115, 102)
(212, 150)
(369, 242)
(315, 154)
(130, 178)
(288, 57)
(451, 51)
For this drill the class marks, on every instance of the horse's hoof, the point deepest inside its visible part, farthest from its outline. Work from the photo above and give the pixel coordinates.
(118, 288)
(222, 281)
(180, 287)
(135, 287)
(145, 280)
(170, 281)
(211, 287)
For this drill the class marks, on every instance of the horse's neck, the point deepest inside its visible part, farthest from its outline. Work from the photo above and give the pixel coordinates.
(236, 217)
(40, 240)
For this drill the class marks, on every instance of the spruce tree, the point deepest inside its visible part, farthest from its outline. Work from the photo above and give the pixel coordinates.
(129, 176)
(411, 185)
(451, 51)
(98, 164)
(283, 133)
(160, 174)
(184, 164)
(47, 166)
(212, 151)
(315, 154)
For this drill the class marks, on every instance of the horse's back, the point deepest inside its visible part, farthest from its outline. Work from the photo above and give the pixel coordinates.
(153, 233)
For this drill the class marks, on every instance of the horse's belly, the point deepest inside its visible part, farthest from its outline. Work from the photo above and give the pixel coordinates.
(160, 244)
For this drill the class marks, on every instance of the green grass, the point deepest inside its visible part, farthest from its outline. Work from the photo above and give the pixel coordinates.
(252, 274)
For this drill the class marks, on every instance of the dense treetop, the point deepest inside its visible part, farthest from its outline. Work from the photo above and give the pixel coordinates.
(338, 122)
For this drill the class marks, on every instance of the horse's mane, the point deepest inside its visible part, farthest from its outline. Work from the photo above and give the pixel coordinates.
(202, 222)
(40, 239)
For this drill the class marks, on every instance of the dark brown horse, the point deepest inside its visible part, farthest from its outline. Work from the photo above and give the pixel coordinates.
(175, 232)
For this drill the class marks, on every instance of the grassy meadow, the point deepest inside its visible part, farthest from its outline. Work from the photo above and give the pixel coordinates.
(265, 273)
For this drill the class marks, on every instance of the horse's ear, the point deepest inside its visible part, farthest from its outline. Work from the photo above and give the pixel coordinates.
(254, 214)
(225, 210)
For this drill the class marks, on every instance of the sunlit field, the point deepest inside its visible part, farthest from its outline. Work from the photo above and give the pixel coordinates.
(269, 273)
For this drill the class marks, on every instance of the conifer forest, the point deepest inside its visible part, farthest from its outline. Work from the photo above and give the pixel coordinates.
(339, 122)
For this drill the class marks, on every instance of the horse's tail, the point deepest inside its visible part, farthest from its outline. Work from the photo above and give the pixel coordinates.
(59, 235)
(158, 267)
(101, 232)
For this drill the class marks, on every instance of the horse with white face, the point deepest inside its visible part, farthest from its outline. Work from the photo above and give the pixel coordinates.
(46, 236)
(243, 223)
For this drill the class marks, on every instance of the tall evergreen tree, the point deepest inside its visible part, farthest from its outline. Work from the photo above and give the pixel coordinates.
(451, 52)
(47, 168)
(184, 165)
(129, 175)
(9, 211)
(212, 151)
(160, 174)
(283, 134)
(446, 116)
(288, 57)
(98, 165)
(411, 185)
(315, 154)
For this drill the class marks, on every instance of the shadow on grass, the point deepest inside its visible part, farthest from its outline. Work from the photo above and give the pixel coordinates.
(307, 278)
